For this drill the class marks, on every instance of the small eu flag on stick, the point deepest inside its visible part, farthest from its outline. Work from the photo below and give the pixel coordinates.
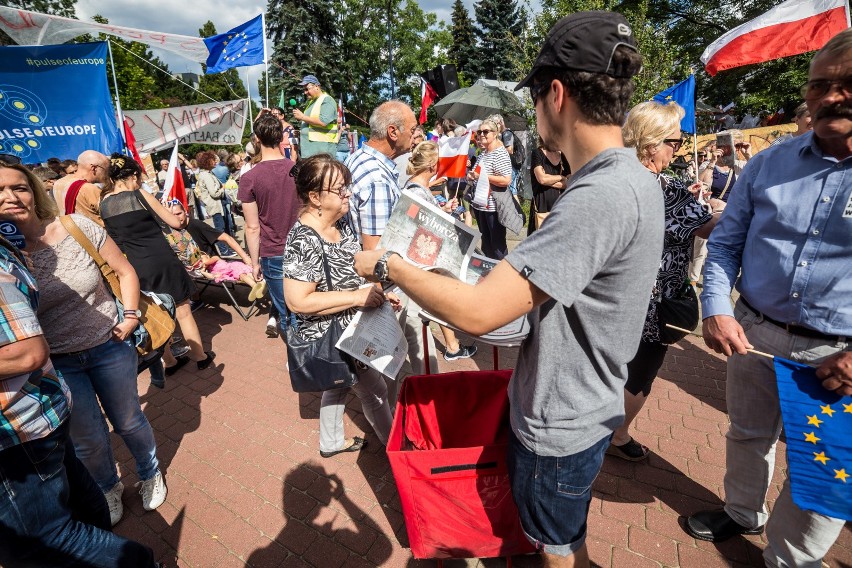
(239, 47)
(819, 448)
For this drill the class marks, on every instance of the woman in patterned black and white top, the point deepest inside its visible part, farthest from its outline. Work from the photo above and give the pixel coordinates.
(323, 185)
(653, 129)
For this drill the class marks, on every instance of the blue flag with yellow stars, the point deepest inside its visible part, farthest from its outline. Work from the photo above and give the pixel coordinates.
(239, 47)
(817, 423)
(683, 94)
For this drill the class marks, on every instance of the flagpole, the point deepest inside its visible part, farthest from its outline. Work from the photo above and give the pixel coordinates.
(848, 22)
(265, 57)
(248, 90)
(117, 98)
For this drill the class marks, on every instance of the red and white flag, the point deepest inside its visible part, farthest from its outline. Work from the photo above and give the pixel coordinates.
(452, 156)
(174, 188)
(130, 140)
(790, 28)
(427, 97)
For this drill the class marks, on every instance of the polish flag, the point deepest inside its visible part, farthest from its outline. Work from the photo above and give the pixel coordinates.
(790, 28)
(427, 97)
(131, 142)
(452, 156)
(174, 188)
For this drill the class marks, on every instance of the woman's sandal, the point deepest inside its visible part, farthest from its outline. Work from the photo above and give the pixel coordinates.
(631, 451)
(355, 446)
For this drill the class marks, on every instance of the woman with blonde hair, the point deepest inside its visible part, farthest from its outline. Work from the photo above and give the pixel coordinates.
(493, 172)
(653, 129)
(422, 167)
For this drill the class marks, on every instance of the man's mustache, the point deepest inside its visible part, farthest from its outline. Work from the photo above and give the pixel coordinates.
(834, 111)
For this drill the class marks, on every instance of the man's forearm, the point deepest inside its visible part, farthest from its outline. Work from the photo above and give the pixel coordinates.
(253, 244)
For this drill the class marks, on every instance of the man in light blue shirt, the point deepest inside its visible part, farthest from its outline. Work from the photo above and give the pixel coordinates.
(787, 233)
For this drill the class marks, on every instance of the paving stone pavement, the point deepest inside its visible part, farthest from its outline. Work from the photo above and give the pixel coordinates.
(247, 486)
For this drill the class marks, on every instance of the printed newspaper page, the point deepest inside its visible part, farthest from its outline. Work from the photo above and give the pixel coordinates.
(427, 237)
(510, 334)
(375, 338)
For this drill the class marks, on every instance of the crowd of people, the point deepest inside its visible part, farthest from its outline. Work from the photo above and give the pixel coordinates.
(613, 235)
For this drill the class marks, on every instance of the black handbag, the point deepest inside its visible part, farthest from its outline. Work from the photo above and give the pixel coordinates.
(679, 311)
(316, 365)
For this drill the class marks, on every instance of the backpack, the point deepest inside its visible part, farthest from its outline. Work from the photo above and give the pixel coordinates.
(519, 153)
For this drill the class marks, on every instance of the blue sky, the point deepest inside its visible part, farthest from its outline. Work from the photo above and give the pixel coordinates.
(186, 17)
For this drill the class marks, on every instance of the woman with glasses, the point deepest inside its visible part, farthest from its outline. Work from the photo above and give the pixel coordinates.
(132, 218)
(653, 130)
(322, 184)
(493, 172)
(88, 341)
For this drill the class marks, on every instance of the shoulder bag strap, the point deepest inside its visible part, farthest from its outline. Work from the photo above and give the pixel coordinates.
(727, 183)
(107, 271)
(328, 279)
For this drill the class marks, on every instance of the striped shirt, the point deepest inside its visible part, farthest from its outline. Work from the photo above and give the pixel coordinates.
(32, 404)
(493, 163)
(374, 190)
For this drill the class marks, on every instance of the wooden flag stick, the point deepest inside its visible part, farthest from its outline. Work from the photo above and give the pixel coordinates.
(755, 351)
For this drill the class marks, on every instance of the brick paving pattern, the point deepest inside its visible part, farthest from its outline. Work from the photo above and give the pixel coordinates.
(247, 486)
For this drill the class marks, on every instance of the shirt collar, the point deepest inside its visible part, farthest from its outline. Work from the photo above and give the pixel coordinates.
(808, 143)
(388, 164)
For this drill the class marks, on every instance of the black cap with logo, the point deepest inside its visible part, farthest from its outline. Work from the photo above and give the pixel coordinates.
(584, 41)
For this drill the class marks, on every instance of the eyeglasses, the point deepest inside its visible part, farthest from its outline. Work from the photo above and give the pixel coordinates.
(342, 192)
(10, 159)
(818, 88)
(675, 143)
(484, 132)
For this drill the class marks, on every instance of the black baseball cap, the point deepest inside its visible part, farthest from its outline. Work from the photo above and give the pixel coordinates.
(584, 41)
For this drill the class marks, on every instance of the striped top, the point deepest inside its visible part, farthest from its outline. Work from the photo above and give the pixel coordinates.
(32, 404)
(375, 190)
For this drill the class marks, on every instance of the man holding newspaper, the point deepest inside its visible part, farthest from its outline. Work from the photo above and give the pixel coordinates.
(578, 277)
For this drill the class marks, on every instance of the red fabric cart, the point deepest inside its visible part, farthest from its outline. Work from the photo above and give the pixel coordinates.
(447, 449)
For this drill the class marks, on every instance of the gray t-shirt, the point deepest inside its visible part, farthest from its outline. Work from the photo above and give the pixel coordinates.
(596, 256)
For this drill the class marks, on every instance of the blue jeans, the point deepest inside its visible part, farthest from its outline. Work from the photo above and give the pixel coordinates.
(553, 494)
(107, 373)
(219, 223)
(273, 272)
(53, 514)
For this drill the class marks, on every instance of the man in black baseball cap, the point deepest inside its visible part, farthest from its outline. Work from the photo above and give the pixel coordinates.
(583, 279)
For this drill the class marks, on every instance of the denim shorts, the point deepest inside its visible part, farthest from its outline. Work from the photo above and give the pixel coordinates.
(553, 494)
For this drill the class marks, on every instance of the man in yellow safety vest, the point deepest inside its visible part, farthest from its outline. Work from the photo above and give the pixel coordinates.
(319, 133)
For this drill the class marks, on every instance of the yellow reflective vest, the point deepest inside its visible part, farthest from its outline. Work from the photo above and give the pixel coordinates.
(329, 132)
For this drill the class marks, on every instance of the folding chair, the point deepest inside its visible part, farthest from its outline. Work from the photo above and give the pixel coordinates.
(230, 288)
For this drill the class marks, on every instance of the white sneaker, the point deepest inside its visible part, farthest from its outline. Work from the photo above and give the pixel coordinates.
(272, 328)
(153, 491)
(113, 499)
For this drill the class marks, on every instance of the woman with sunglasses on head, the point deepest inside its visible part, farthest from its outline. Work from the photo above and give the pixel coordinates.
(493, 172)
(88, 343)
(323, 186)
(132, 218)
(653, 129)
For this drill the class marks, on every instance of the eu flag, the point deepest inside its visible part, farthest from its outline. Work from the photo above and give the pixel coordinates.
(239, 47)
(683, 94)
(817, 423)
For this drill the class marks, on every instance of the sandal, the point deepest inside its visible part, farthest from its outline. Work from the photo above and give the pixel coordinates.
(355, 446)
(631, 451)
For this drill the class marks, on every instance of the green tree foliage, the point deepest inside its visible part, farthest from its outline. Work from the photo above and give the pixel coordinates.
(463, 47)
(345, 44)
(56, 7)
(499, 23)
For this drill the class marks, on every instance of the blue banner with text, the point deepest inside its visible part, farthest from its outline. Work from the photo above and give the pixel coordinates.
(55, 102)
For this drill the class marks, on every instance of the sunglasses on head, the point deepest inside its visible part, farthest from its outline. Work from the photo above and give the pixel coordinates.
(10, 159)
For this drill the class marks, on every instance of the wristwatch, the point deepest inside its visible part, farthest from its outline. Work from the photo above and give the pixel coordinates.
(137, 313)
(380, 271)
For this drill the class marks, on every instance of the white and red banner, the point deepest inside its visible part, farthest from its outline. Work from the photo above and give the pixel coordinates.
(790, 28)
(219, 124)
(34, 28)
(452, 156)
(427, 97)
(174, 188)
